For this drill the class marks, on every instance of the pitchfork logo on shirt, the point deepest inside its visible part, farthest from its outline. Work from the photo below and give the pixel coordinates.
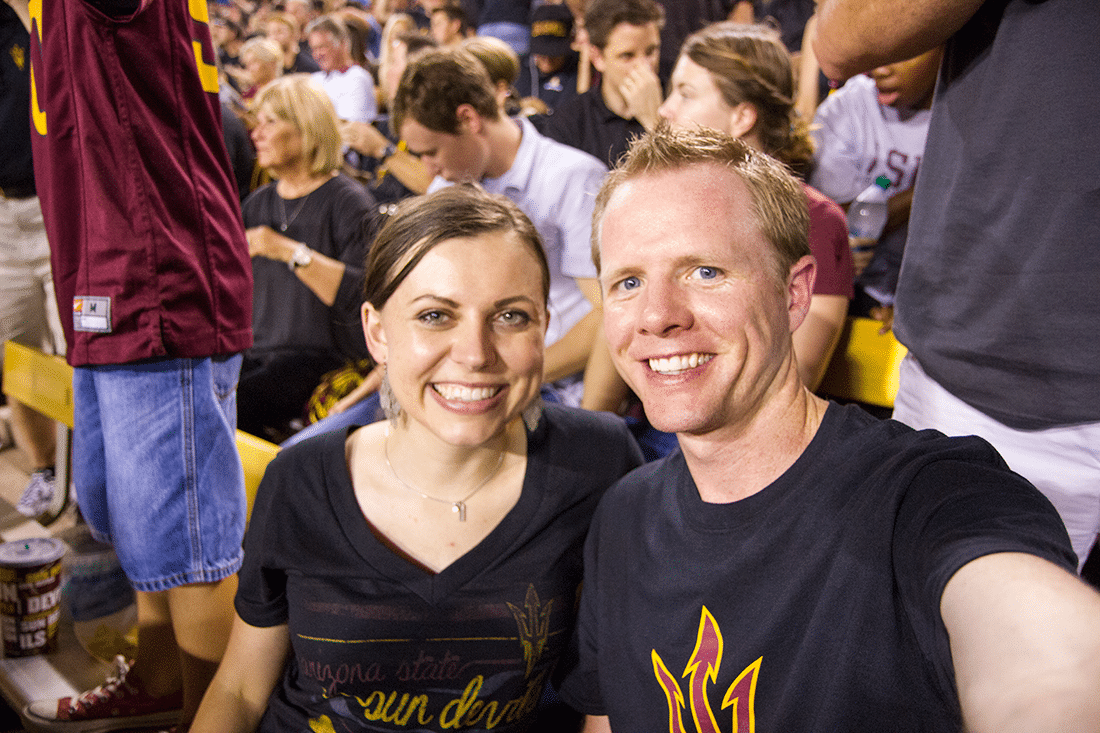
(702, 671)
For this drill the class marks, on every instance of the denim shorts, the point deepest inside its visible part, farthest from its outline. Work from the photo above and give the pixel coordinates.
(156, 467)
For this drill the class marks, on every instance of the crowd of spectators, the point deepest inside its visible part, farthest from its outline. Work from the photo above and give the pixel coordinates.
(586, 74)
(343, 115)
(593, 75)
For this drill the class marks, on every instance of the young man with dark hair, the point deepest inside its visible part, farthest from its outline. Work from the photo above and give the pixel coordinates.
(624, 42)
(447, 113)
(449, 24)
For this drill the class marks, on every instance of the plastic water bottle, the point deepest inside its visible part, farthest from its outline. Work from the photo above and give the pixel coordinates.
(867, 215)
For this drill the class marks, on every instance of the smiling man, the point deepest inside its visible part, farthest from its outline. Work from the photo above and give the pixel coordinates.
(798, 565)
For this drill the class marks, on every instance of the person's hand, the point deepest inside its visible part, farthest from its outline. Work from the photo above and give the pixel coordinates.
(263, 241)
(885, 315)
(363, 137)
(863, 249)
(643, 94)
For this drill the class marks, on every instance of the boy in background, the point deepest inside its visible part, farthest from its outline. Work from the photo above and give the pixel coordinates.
(876, 125)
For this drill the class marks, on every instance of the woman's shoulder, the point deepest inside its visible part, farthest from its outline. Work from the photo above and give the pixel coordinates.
(344, 191)
(259, 200)
(306, 464)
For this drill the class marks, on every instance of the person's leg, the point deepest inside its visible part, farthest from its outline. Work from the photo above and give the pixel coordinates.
(190, 622)
(34, 434)
(1063, 463)
(202, 615)
(183, 630)
(28, 315)
(156, 669)
(174, 509)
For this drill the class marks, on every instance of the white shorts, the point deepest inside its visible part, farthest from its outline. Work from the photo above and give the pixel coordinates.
(1062, 462)
(28, 308)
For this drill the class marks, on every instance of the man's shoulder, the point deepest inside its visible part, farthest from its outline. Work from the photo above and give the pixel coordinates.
(580, 105)
(355, 71)
(858, 444)
(572, 115)
(559, 156)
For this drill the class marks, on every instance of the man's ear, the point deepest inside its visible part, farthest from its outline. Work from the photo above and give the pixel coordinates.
(468, 119)
(743, 119)
(800, 289)
(375, 334)
(595, 55)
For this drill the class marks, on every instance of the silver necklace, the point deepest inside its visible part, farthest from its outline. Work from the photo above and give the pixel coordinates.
(457, 507)
(284, 223)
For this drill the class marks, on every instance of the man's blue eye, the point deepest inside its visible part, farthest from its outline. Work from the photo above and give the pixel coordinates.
(630, 283)
(708, 273)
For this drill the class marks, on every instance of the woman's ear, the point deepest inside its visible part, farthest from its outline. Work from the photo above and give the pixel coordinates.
(742, 119)
(375, 334)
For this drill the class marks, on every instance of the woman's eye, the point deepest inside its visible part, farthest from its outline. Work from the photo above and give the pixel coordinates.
(514, 318)
(432, 318)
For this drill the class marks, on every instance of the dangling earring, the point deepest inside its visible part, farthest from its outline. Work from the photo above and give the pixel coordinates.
(532, 414)
(391, 408)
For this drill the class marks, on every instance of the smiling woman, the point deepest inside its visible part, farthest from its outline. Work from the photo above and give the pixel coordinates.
(426, 565)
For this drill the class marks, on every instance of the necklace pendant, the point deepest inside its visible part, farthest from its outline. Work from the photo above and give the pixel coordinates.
(459, 507)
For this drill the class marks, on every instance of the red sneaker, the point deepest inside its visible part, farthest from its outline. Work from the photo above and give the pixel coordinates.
(113, 705)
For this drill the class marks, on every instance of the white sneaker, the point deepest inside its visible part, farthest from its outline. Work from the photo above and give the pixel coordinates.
(38, 496)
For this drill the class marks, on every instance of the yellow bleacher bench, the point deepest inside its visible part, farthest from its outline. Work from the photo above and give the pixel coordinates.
(45, 382)
(865, 365)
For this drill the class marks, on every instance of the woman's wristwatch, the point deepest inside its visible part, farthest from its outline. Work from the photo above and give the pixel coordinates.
(302, 257)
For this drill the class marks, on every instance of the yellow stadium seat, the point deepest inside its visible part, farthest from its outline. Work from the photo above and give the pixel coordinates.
(45, 382)
(864, 367)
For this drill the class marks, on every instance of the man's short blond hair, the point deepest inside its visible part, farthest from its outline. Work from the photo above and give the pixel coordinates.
(778, 199)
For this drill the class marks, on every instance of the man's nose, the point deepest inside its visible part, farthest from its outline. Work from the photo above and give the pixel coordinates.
(664, 309)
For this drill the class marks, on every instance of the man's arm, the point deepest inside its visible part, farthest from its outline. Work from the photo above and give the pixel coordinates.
(816, 339)
(365, 138)
(569, 354)
(596, 724)
(854, 36)
(22, 9)
(1025, 641)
